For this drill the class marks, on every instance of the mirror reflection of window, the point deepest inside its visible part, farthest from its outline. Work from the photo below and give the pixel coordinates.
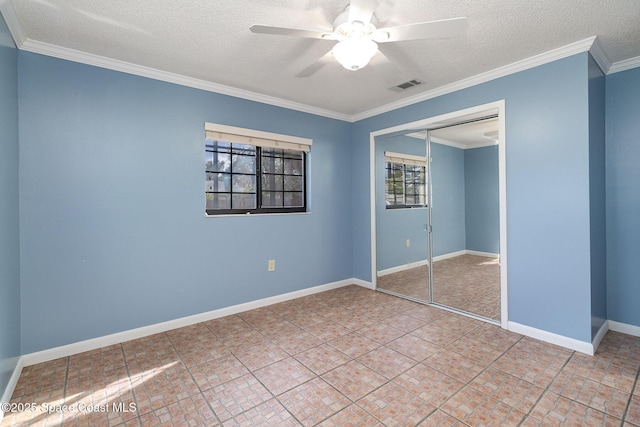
(405, 181)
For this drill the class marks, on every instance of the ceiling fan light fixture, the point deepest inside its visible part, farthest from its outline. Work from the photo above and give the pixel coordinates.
(354, 53)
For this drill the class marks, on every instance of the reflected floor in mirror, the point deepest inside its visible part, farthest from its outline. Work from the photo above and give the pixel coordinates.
(469, 283)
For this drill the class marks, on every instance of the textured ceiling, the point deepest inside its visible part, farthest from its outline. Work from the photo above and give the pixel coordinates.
(210, 40)
(469, 135)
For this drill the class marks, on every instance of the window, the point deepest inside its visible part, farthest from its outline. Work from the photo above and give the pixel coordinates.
(405, 181)
(250, 171)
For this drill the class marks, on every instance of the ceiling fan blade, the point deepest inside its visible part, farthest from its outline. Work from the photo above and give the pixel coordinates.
(362, 10)
(317, 65)
(424, 30)
(390, 72)
(294, 32)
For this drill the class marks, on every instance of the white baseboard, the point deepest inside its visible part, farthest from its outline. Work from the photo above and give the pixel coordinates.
(624, 328)
(95, 343)
(362, 283)
(465, 252)
(550, 337)
(119, 337)
(11, 386)
(449, 255)
(485, 254)
(599, 335)
(403, 267)
(420, 263)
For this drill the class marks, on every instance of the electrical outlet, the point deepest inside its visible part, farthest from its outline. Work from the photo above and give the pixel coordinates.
(408, 243)
(271, 265)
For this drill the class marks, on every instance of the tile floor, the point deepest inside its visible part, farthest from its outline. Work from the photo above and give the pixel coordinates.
(346, 357)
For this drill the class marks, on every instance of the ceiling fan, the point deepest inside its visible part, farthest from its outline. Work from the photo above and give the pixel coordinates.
(357, 36)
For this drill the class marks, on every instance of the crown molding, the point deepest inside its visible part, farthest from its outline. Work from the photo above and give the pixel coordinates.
(422, 136)
(454, 144)
(598, 54)
(534, 61)
(11, 18)
(443, 141)
(449, 143)
(139, 70)
(625, 65)
(590, 44)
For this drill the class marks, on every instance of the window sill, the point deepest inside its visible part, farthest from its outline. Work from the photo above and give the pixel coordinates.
(406, 208)
(256, 214)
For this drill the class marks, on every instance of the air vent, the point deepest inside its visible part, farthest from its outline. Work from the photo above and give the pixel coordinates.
(406, 85)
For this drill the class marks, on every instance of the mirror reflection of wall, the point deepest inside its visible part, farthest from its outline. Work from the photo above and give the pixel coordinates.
(465, 199)
(466, 226)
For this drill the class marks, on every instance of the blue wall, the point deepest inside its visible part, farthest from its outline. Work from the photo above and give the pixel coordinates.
(482, 199)
(448, 211)
(9, 218)
(597, 207)
(547, 195)
(623, 195)
(113, 232)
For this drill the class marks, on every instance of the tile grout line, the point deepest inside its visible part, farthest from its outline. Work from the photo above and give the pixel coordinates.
(626, 409)
(352, 359)
(192, 378)
(438, 407)
(319, 376)
(528, 414)
(476, 376)
(390, 380)
(274, 396)
(250, 372)
(64, 392)
(130, 381)
(353, 402)
(605, 414)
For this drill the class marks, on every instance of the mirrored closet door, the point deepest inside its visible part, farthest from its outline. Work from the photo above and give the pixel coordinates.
(438, 221)
(402, 216)
(465, 213)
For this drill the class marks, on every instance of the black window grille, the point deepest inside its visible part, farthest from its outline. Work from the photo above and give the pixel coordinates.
(405, 185)
(243, 178)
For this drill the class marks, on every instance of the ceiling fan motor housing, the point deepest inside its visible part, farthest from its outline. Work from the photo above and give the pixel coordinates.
(343, 28)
